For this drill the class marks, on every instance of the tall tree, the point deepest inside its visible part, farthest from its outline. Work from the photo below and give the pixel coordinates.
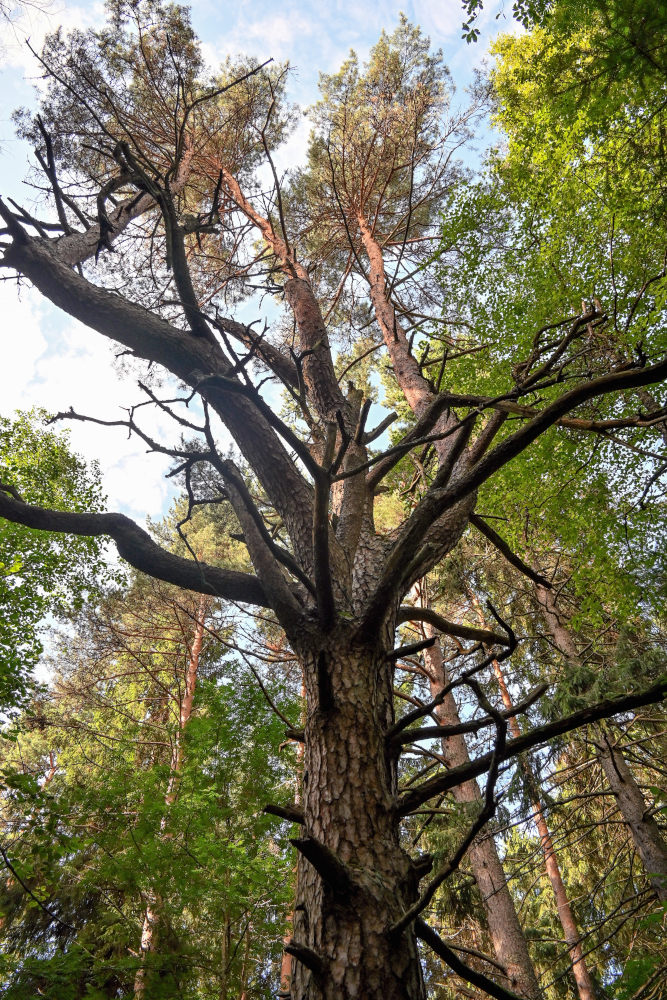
(146, 157)
(138, 856)
(40, 574)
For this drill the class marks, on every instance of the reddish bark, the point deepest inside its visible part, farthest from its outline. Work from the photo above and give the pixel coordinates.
(585, 986)
(506, 933)
(149, 940)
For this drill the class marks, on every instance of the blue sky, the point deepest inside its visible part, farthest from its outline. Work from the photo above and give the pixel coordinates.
(53, 361)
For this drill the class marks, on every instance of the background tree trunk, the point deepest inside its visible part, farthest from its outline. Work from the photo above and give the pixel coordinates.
(148, 941)
(286, 963)
(509, 942)
(585, 985)
(642, 826)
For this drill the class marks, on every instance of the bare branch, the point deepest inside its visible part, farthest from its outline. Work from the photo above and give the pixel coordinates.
(413, 798)
(138, 548)
(435, 942)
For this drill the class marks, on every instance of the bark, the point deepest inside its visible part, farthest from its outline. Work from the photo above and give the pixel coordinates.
(416, 389)
(507, 935)
(149, 938)
(286, 963)
(354, 879)
(643, 828)
(245, 968)
(413, 798)
(585, 986)
(225, 950)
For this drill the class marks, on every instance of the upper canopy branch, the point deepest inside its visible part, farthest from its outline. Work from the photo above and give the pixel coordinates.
(443, 496)
(150, 337)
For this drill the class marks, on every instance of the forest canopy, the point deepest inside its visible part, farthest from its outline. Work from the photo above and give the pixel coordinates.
(377, 709)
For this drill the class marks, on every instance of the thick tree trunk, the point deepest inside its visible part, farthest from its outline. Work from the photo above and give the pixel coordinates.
(644, 830)
(358, 881)
(509, 942)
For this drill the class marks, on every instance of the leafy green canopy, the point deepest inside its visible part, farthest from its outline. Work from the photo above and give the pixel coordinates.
(95, 826)
(570, 218)
(40, 573)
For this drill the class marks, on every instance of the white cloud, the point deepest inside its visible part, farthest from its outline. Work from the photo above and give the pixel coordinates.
(55, 363)
(23, 343)
(33, 23)
(441, 19)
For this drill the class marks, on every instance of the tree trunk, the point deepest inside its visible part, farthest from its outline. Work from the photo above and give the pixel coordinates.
(245, 968)
(225, 950)
(357, 880)
(509, 942)
(286, 962)
(148, 943)
(585, 986)
(644, 830)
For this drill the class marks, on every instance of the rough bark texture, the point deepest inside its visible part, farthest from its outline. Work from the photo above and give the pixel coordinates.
(642, 826)
(585, 985)
(149, 942)
(354, 880)
(645, 833)
(507, 935)
(358, 880)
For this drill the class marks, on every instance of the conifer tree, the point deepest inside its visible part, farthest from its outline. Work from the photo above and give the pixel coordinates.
(162, 223)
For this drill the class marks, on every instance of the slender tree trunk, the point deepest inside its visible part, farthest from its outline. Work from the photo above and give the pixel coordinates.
(148, 943)
(286, 963)
(645, 833)
(585, 985)
(224, 956)
(642, 826)
(245, 968)
(357, 881)
(509, 942)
